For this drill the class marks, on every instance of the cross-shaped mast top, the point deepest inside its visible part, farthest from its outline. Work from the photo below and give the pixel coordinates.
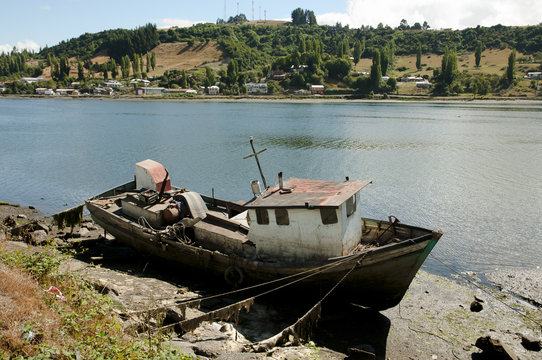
(255, 154)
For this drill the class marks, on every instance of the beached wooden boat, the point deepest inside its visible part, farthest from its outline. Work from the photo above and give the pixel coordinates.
(306, 231)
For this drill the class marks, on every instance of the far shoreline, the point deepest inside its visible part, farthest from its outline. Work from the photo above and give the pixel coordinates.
(288, 99)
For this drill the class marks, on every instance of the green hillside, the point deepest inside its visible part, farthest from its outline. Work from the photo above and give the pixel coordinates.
(308, 54)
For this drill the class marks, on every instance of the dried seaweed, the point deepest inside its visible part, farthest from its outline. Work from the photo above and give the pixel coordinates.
(70, 217)
(194, 304)
(301, 329)
(224, 314)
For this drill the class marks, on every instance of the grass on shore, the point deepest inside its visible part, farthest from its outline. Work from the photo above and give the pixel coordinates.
(80, 324)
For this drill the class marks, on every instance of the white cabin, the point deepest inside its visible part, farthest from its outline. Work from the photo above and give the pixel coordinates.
(306, 220)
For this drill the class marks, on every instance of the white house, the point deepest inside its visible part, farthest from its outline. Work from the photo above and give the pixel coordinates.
(113, 84)
(536, 75)
(102, 91)
(213, 90)
(67, 92)
(180, 91)
(423, 84)
(44, 91)
(140, 81)
(412, 79)
(256, 88)
(149, 91)
(31, 80)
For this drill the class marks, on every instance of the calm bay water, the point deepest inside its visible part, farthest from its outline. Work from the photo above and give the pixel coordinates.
(473, 170)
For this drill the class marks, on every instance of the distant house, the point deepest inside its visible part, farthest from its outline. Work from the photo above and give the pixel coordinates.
(535, 75)
(278, 75)
(140, 81)
(213, 90)
(180, 91)
(102, 91)
(30, 80)
(299, 68)
(301, 92)
(423, 84)
(44, 91)
(412, 79)
(317, 89)
(67, 92)
(113, 84)
(2, 89)
(149, 91)
(385, 78)
(256, 88)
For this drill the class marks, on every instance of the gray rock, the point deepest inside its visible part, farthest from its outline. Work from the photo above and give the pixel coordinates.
(3, 233)
(525, 283)
(530, 343)
(83, 232)
(90, 226)
(15, 246)
(22, 216)
(38, 237)
(494, 349)
(42, 226)
(183, 346)
(240, 356)
(211, 348)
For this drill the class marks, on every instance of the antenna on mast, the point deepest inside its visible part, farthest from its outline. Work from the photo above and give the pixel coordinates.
(225, 11)
(252, 10)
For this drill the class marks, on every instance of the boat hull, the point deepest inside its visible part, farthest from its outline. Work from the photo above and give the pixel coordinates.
(376, 278)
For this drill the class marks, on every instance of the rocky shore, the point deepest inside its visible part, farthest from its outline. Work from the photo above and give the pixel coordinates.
(439, 318)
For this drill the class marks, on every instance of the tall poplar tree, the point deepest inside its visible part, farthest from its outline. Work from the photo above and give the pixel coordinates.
(419, 57)
(375, 78)
(511, 69)
(357, 51)
(80, 71)
(114, 71)
(153, 60)
(478, 53)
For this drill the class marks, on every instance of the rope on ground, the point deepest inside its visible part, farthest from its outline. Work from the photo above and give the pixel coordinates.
(485, 291)
(226, 312)
(301, 328)
(195, 302)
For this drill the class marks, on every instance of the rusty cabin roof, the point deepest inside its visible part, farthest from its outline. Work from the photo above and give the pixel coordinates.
(317, 193)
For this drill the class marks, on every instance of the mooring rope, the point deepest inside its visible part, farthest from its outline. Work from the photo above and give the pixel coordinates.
(226, 309)
(313, 314)
(311, 272)
(314, 271)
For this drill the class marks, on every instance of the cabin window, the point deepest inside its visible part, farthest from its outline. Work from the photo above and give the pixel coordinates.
(328, 215)
(351, 205)
(262, 217)
(281, 215)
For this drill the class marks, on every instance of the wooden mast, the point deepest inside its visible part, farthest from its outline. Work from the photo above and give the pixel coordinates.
(255, 154)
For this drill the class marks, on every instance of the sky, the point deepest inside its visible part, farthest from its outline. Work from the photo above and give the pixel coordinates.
(33, 24)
